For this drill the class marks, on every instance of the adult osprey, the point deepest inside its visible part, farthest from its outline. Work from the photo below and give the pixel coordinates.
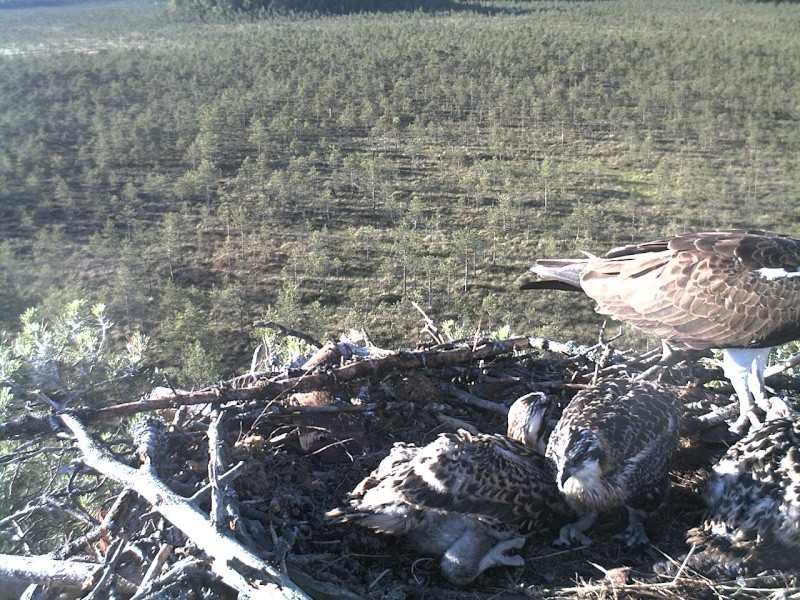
(612, 448)
(737, 290)
(469, 498)
(753, 494)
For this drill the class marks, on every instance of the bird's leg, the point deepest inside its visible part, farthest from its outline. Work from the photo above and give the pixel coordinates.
(635, 534)
(669, 358)
(572, 534)
(745, 369)
(755, 379)
(647, 503)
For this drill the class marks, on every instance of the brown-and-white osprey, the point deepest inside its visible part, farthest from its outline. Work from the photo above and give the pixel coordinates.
(736, 290)
(611, 448)
(469, 498)
(531, 419)
(753, 494)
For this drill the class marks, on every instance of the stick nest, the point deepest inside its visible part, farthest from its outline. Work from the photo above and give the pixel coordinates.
(293, 444)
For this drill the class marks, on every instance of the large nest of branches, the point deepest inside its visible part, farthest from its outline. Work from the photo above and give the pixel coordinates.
(225, 490)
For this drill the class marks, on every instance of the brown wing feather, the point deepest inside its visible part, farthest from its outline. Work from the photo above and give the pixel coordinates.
(637, 425)
(702, 290)
(484, 478)
(491, 477)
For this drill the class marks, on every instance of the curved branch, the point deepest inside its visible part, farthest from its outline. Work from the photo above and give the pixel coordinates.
(262, 580)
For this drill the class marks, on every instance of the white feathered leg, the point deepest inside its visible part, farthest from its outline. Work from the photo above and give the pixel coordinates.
(745, 369)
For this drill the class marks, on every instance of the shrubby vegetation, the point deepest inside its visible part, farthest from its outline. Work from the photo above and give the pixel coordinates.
(192, 176)
(69, 361)
(204, 8)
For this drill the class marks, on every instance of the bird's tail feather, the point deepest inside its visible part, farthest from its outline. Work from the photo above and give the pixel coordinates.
(392, 520)
(555, 271)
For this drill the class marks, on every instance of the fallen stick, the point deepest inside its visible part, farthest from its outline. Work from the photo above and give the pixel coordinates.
(782, 366)
(155, 567)
(262, 580)
(472, 399)
(58, 574)
(288, 331)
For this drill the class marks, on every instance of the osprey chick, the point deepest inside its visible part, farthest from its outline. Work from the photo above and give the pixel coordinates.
(469, 498)
(531, 419)
(737, 290)
(753, 496)
(611, 448)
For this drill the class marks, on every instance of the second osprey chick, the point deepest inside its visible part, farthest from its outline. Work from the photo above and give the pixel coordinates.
(611, 447)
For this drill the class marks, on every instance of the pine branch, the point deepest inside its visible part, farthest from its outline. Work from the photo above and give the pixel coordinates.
(254, 578)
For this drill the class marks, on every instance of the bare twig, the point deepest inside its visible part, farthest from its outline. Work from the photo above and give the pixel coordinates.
(262, 581)
(267, 390)
(782, 366)
(472, 399)
(718, 416)
(155, 567)
(457, 423)
(174, 580)
(430, 326)
(108, 575)
(59, 574)
(685, 562)
(205, 492)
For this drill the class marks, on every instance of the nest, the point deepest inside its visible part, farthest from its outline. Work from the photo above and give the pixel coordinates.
(227, 488)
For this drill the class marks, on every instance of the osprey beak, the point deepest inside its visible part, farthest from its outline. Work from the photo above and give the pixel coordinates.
(566, 473)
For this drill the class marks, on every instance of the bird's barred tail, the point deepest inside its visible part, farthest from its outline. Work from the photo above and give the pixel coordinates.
(559, 274)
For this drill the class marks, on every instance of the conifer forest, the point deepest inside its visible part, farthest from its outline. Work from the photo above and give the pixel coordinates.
(182, 181)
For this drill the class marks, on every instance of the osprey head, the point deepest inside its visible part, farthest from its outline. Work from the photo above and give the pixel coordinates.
(582, 458)
(528, 420)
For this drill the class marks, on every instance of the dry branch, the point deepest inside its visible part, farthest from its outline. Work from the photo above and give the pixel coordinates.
(430, 326)
(155, 567)
(44, 570)
(472, 399)
(223, 551)
(288, 331)
(783, 365)
(263, 391)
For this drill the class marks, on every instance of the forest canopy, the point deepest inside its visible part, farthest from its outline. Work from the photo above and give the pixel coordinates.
(179, 187)
(202, 7)
(327, 170)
